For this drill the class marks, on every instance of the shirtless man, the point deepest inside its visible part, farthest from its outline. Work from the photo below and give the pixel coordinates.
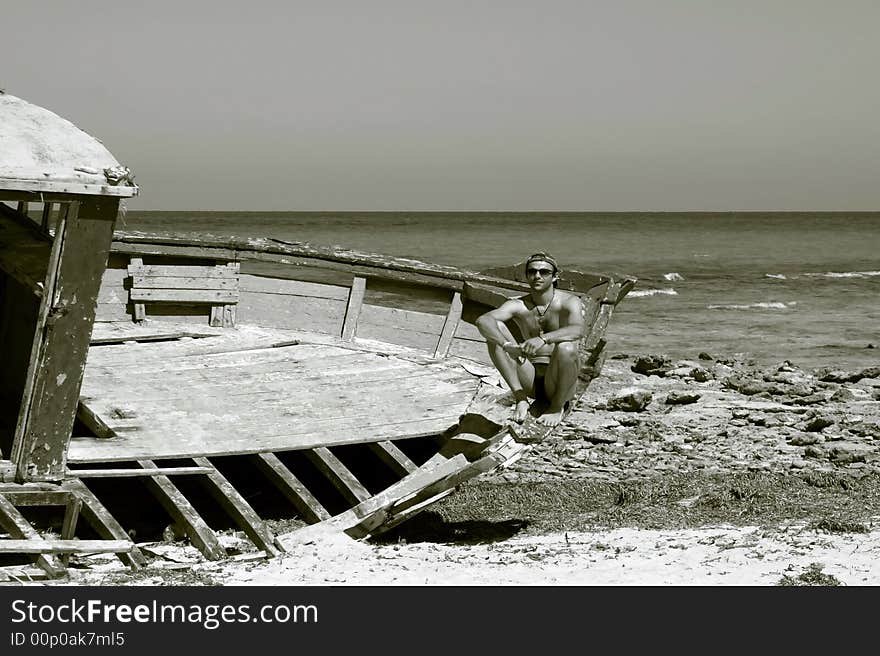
(545, 365)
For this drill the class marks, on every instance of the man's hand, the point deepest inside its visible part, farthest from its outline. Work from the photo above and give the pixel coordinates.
(531, 346)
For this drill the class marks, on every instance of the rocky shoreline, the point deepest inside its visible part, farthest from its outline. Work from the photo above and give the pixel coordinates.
(647, 414)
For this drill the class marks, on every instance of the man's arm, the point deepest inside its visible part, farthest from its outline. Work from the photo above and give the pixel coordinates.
(487, 323)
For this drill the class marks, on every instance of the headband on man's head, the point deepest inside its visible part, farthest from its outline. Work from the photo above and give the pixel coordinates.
(541, 256)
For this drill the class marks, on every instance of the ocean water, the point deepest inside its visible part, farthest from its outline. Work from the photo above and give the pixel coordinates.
(803, 287)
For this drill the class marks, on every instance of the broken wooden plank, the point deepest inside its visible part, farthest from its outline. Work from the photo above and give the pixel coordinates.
(68, 527)
(289, 485)
(41, 546)
(392, 456)
(183, 513)
(93, 421)
(352, 517)
(338, 474)
(453, 318)
(104, 523)
(237, 507)
(31, 497)
(353, 309)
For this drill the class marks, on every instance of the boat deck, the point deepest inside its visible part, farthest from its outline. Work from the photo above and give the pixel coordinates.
(164, 390)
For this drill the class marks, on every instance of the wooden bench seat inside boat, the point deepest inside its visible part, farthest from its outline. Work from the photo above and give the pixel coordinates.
(216, 285)
(253, 390)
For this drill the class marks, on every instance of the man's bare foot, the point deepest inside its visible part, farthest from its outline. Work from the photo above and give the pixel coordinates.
(521, 412)
(551, 418)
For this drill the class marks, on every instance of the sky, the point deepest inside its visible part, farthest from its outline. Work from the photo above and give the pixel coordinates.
(550, 105)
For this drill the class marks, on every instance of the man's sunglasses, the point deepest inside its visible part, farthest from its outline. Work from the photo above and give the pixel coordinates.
(542, 272)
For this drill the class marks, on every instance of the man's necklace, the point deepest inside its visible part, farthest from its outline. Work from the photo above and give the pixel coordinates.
(547, 307)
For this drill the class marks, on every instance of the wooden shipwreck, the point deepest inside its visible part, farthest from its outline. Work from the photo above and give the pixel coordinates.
(207, 382)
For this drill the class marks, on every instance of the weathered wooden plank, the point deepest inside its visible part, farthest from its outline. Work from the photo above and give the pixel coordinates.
(93, 421)
(19, 528)
(111, 312)
(488, 295)
(353, 310)
(332, 432)
(470, 350)
(469, 331)
(41, 546)
(104, 524)
(113, 286)
(200, 414)
(182, 512)
(258, 385)
(187, 282)
(128, 472)
(68, 527)
(300, 253)
(321, 315)
(392, 456)
(237, 507)
(338, 474)
(453, 318)
(31, 497)
(186, 271)
(289, 485)
(71, 188)
(195, 252)
(137, 294)
(24, 441)
(419, 330)
(267, 285)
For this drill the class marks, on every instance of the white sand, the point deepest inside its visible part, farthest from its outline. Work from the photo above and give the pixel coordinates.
(713, 556)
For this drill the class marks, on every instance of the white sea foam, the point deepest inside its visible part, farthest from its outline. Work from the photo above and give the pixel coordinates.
(844, 274)
(672, 276)
(776, 276)
(653, 292)
(771, 305)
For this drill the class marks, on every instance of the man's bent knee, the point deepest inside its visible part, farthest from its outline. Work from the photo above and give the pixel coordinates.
(566, 350)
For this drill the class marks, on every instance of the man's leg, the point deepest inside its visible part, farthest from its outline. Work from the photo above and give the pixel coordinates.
(560, 381)
(520, 378)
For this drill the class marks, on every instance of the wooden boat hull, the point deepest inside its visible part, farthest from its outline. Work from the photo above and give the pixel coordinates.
(323, 380)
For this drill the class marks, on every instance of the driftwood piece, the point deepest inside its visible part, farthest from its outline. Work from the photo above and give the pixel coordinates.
(41, 546)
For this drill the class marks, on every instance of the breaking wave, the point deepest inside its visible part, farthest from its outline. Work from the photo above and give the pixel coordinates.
(653, 292)
(672, 276)
(771, 305)
(776, 276)
(844, 274)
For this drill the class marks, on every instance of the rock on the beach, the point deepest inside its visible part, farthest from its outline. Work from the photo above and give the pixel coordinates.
(678, 397)
(652, 365)
(817, 424)
(630, 400)
(804, 439)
